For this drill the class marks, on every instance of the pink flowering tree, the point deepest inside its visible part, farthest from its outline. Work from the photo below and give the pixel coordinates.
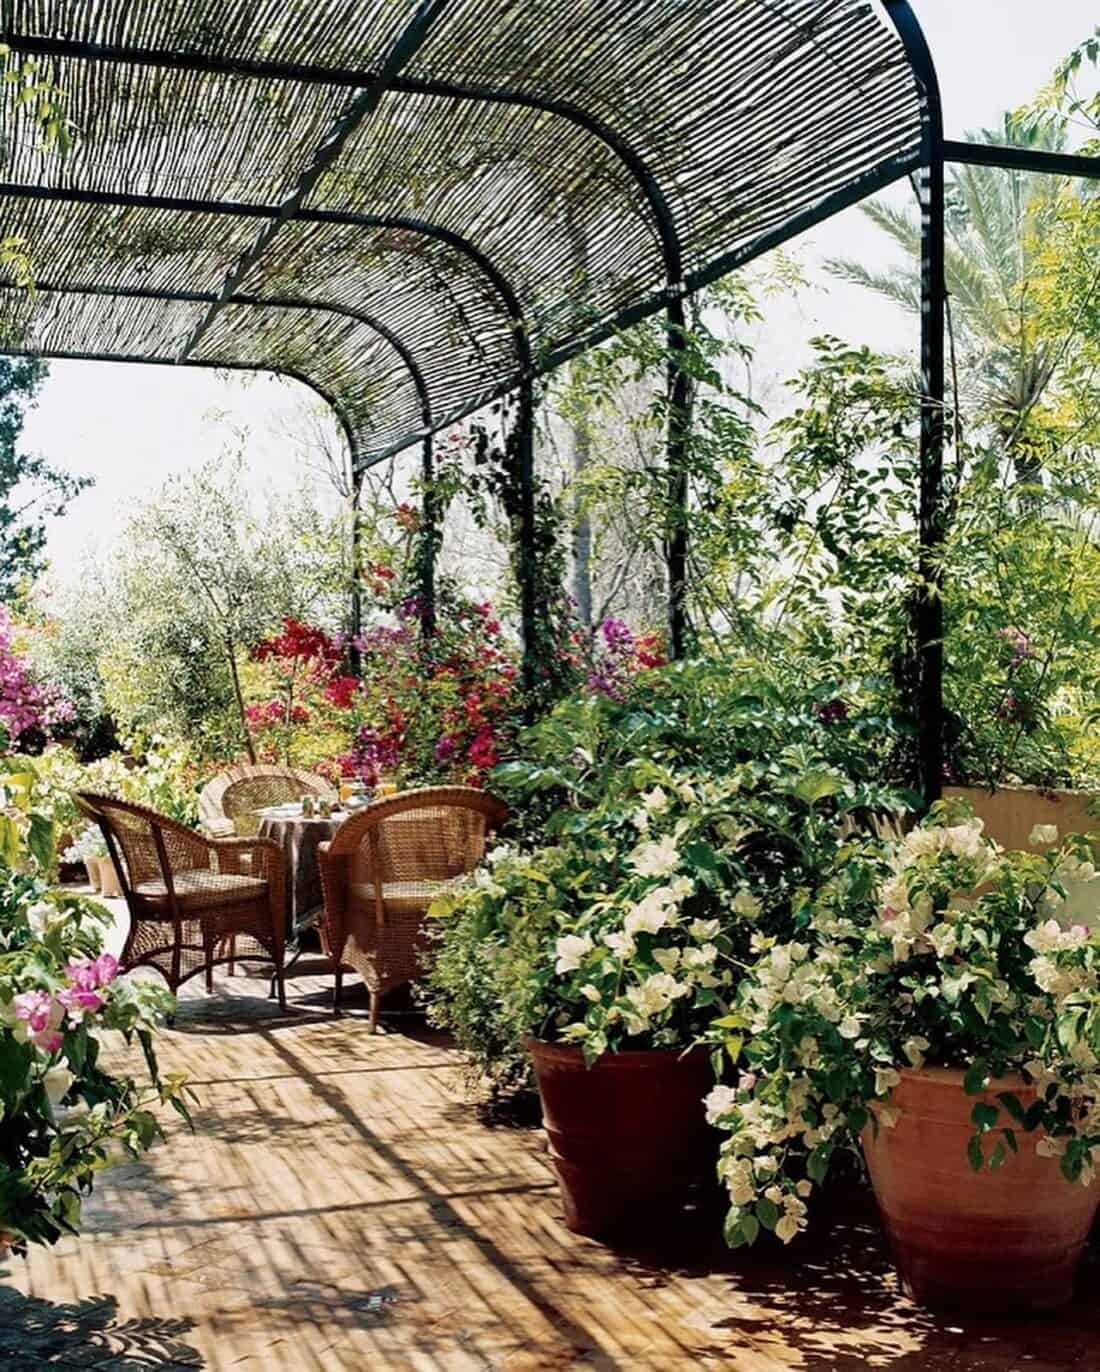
(27, 705)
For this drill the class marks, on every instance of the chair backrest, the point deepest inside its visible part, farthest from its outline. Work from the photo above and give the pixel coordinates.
(418, 837)
(150, 845)
(237, 793)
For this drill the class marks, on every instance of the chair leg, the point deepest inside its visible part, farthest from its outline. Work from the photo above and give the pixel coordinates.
(337, 989)
(375, 1006)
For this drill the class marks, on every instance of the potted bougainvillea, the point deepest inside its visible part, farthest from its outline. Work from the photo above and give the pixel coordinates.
(65, 1113)
(942, 1014)
(616, 946)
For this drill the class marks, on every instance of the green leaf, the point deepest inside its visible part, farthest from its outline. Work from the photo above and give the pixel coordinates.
(997, 1157)
(813, 786)
(817, 1164)
(767, 1212)
(985, 1116)
(974, 1153)
(976, 1078)
(1011, 1103)
(1010, 1138)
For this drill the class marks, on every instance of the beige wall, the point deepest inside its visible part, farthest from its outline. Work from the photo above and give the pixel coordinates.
(1010, 814)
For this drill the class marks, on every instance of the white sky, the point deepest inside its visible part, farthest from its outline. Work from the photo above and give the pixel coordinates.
(129, 427)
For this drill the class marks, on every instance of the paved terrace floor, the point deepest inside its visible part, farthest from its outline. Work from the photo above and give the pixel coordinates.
(340, 1205)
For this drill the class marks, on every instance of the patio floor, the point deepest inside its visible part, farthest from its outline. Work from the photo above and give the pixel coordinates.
(341, 1206)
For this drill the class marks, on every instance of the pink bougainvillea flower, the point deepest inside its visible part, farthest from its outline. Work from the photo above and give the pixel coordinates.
(107, 966)
(83, 975)
(34, 1007)
(80, 1001)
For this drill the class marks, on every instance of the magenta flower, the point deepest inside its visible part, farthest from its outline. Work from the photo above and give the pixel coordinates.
(34, 1007)
(90, 976)
(42, 1017)
(80, 1001)
(107, 965)
(445, 748)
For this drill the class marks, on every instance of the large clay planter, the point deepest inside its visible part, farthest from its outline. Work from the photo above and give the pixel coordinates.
(108, 878)
(628, 1137)
(1008, 1240)
(91, 866)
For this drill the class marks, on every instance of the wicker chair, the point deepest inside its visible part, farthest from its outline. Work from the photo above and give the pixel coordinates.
(382, 870)
(190, 897)
(228, 804)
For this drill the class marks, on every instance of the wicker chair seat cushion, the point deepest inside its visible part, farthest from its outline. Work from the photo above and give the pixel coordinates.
(201, 888)
(402, 897)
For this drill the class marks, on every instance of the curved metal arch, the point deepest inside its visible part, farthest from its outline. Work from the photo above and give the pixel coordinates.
(245, 210)
(628, 155)
(137, 359)
(273, 302)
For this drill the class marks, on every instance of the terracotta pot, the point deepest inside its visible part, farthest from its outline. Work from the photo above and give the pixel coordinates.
(628, 1137)
(1008, 1240)
(108, 878)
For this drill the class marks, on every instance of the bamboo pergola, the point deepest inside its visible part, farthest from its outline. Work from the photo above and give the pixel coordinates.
(416, 207)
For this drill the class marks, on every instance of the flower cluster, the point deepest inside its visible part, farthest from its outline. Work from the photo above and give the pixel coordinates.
(61, 1113)
(26, 704)
(940, 949)
(619, 655)
(635, 923)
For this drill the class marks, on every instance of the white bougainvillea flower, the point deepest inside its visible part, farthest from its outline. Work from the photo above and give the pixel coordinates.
(746, 904)
(57, 1080)
(849, 1027)
(704, 929)
(658, 858)
(1043, 836)
(621, 944)
(719, 1102)
(572, 949)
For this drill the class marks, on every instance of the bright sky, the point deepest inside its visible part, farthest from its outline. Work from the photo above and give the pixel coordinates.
(130, 426)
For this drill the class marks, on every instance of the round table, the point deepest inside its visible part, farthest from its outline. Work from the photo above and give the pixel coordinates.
(299, 836)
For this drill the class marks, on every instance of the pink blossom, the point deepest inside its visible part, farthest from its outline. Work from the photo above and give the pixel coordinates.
(89, 976)
(34, 1007)
(80, 1001)
(107, 965)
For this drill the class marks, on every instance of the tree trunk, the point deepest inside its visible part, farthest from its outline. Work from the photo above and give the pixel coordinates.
(356, 607)
(246, 733)
(581, 445)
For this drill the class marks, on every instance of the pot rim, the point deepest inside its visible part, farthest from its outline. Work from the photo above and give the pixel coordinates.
(630, 1056)
(951, 1078)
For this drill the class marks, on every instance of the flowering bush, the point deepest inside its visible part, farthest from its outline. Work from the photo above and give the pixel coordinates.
(618, 655)
(940, 949)
(63, 1114)
(28, 707)
(628, 928)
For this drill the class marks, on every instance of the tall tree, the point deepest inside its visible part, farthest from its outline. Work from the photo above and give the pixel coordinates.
(31, 489)
(995, 225)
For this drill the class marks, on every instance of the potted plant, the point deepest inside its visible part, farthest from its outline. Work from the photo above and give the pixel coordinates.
(942, 1014)
(65, 1115)
(91, 850)
(611, 952)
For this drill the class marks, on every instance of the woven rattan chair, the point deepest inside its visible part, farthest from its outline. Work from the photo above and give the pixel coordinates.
(229, 802)
(382, 870)
(193, 901)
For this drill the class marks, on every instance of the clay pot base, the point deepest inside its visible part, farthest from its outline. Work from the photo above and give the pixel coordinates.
(1003, 1242)
(628, 1137)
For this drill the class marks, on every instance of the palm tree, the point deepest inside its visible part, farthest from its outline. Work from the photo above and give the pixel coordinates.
(994, 238)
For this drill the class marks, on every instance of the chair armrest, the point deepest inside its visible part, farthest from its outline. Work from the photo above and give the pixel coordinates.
(218, 828)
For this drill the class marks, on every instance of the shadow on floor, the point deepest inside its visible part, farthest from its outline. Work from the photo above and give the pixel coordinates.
(832, 1301)
(37, 1333)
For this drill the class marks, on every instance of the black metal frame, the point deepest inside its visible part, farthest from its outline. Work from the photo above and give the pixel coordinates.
(369, 86)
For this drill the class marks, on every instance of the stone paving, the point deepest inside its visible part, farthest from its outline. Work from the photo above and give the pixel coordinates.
(342, 1206)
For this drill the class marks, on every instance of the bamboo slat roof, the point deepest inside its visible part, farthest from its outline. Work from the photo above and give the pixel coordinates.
(407, 203)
